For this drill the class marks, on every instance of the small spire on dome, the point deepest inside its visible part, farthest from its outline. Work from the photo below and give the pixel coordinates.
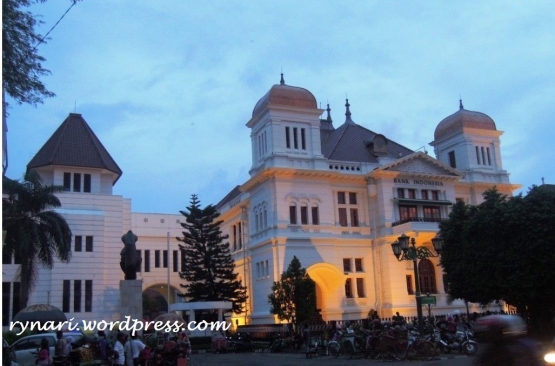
(347, 111)
(460, 103)
(329, 115)
(282, 82)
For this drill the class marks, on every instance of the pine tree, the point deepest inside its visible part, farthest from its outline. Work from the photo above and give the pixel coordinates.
(293, 298)
(209, 267)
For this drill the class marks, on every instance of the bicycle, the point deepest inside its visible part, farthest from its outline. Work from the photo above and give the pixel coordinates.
(394, 348)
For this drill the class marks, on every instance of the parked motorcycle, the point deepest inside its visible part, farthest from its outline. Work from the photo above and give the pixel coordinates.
(461, 341)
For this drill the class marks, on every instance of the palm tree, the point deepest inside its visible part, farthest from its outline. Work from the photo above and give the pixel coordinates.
(34, 232)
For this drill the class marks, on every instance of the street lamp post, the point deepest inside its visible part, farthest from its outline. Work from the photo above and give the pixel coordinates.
(404, 252)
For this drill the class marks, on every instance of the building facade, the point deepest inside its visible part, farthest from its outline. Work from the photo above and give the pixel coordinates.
(337, 198)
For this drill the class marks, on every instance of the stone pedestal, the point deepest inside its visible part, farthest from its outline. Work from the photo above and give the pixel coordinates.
(131, 299)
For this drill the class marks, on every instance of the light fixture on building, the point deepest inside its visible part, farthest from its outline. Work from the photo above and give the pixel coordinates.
(405, 252)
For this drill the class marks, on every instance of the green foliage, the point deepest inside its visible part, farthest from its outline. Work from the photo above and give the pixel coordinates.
(34, 233)
(293, 298)
(503, 249)
(209, 267)
(21, 63)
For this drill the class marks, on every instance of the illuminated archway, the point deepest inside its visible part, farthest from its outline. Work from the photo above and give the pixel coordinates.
(328, 278)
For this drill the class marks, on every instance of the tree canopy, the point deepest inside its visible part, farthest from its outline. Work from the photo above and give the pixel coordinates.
(293, 298)
(209, 267)
(35, 234)
(21, 63)
(504, 249)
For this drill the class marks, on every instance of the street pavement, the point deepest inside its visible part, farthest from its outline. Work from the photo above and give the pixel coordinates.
(295, 359)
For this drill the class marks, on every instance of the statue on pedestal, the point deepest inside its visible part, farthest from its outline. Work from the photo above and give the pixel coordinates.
(130, 258)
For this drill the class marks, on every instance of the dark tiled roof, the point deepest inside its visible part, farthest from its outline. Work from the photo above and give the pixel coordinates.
(349, 143)
(235, 192)
(75, 144)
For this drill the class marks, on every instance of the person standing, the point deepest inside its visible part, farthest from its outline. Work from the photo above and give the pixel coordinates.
(133, 350)
(119, 352)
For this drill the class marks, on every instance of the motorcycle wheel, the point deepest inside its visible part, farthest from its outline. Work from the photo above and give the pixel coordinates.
(470, 348)
(334, 349)
(348, 349)
(388, 353)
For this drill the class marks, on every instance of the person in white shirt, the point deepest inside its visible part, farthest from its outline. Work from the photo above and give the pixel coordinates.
(119, 360)
(133, 350)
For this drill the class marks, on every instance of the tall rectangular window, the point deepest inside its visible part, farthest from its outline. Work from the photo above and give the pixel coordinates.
(411, 193)
(303, 139)
(315, 216)
(348, 288)
(304, 215)
(287, 138)
(410, 291)
(358, 265)
(400, 193)
(65, 296)
(147, 260)
(360, 287)
(240, 234)
(157, 259)
(346, 264)
(87, 183)
(295, 138)
(78, 243)
(342, 216)
(77, 296)
(88, 243)
(478, 155)
(67, 181)
(234, 229)
(483, 155)
(175, 260)
(76, 182)
(489, 156)
(424, 194)
(435, 195)
(452, 159)
(165, 259)
(88, 295)
(354, 217)
(341, 198)
(352, 198)
(6, 302)
(293, 215)
(140, 268)
(16, 302)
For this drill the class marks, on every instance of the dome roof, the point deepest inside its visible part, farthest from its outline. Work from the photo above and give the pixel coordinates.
(281, 94)
(463, 119)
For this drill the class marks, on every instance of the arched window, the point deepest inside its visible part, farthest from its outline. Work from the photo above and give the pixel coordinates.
(427, 275)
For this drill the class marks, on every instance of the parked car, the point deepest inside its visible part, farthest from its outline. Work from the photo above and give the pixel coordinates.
(25, 349)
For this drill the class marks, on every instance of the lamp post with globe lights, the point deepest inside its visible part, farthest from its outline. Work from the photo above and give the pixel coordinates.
(405, 252)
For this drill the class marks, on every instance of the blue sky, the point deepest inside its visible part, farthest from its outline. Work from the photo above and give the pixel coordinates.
(168, 86)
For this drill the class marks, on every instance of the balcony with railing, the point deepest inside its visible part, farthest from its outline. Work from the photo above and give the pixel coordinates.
(416, 219)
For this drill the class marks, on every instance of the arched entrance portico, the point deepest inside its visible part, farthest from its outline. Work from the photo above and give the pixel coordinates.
(155, 300)
(328, 279)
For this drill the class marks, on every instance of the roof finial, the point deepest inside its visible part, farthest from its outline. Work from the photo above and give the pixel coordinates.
(329, 114)
(460, 103)
(282, 82)
(347, 112)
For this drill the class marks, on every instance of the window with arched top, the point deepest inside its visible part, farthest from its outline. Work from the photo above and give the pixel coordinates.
(427, 274)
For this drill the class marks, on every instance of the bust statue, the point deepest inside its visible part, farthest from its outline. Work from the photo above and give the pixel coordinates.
(130, 259)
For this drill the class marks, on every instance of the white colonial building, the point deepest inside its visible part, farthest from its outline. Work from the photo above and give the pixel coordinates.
(87, 288)
(337, 198)
(334, 197)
